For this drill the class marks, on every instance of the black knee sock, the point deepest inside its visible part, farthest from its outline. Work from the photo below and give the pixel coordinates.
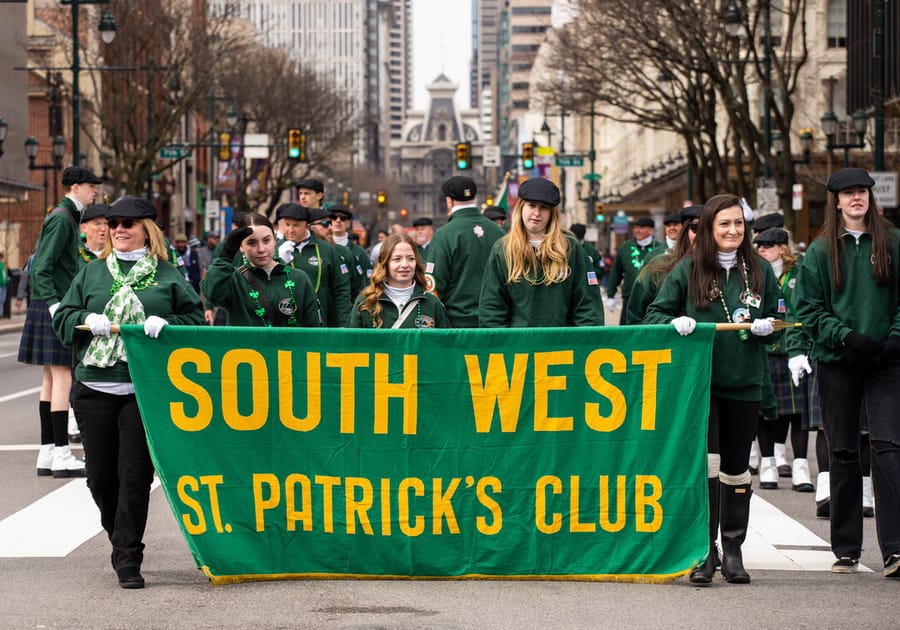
(799, 438)
(865, 459)
(765, 431)
(822, 451)
(60, 421)
(46, 423)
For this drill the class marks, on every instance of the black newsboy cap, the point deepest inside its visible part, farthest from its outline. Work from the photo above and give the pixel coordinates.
(132, 207)
(645, 222)
(772, 236)
(539, 190)
(459, 188)
(766, 221)
(292, 211)
(93, 211)
(495, 212)
(79, 175)
(338, 210)
(423, 221)
(849, 178)
(312, 183)
(672, 217)
(691, 212)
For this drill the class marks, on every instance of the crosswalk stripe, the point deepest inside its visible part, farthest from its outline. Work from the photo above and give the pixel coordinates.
(20, 394)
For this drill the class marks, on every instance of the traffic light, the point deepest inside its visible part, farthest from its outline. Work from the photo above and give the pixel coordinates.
(528, 155)
(489, 201)
(381, 198)
(599, 212)
(463, 156)
(345, 198)
(403, 213)
(296, 145)
(224, 145)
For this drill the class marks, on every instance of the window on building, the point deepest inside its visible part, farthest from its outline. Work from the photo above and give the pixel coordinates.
(837, 24)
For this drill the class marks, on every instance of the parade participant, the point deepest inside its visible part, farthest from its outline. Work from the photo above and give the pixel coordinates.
(790, 398)
(630, 258)
(672, 227)
(93, 232)
(56, 261)
(724, 280)
(596, 260)
(457, 257)
(497, 214)
(341, 233)
(261, 291)
(323, 265)
(132, 283)
(310, 192)
(645, 286)
(424, 227)
(766, 221)
(396, 297)
(537, 275)
(848, 303)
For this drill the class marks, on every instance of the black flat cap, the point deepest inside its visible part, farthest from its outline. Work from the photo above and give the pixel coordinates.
(312, 183)
(423, 221)
(338, 210)
(644, 222)
(317, 214)
(689, 213)
(132, 207)
(766, 221)
(495, 212)
(93, 211)
(459, 188)
(672, 217)
(292, 211)
(848, 178)
(79, 175)
(539, 190)
(578, 229)
(772, 236)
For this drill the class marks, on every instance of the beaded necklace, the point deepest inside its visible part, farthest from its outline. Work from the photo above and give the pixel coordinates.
(318, 267)
(260, 309)
(716, 292)
(119, 279)
(83, 254)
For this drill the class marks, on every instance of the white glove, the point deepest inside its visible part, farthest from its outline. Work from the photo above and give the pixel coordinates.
(611, 303)
(99, 324)
(286, 252)
(799, 367)
(762, 327)
(52, 308)
(684, 325)
(154, 325)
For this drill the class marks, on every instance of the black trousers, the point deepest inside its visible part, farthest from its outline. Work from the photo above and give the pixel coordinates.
(843, 388)
(732, 424)
(119, 470)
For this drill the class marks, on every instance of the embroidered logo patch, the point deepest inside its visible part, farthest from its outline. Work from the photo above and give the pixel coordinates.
(592, 277)
(423, 321)
(344, 268)
(313, 261)
(781, 308)
(479, 231)
(429, 267)
(286, 307)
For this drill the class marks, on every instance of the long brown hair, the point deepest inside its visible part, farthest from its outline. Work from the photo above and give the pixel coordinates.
(373, 292)
(658, 267)
(706, 269)
(877, 227)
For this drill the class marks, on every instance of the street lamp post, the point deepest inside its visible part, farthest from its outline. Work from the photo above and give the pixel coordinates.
(59, 150)
(108, 33)
(829, 126)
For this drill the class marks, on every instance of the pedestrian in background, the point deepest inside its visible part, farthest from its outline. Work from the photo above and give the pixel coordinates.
(849, 304)
(630, 258)
(724, 280)
(672, 226)
(537, 275)
(396, 297)
(596, 260)
(191, 260)
(132, 283)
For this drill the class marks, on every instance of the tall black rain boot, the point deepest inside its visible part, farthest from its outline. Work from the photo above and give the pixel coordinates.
(735, 514)
(703, 575)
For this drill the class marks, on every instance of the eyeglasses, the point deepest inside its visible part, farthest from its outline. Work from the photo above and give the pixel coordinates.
(125, 223)
(693, 225)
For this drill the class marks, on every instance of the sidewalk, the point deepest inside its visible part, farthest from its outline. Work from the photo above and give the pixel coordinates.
(12, 325)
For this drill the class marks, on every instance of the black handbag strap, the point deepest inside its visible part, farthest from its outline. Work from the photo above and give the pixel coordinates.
(275, 316)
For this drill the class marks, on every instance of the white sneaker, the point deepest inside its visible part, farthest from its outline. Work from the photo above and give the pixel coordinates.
(781, 462)
(868, 500)
(65, 464)
(45, 460)
(768, 474)
(74, 433)
(753, 464)
(800, 480)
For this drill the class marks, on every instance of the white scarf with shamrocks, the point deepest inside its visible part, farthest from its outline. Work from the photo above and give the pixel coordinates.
(123, 307)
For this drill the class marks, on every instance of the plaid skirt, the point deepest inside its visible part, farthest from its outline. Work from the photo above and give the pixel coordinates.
(791, 400)
(39, 345)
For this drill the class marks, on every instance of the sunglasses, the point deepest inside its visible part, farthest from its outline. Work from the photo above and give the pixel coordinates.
(693, 225)
(339, 218)
(323, 223)
(125, 223)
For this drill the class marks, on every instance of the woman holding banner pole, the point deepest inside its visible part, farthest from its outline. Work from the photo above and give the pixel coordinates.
(131, 283)
(724, 280)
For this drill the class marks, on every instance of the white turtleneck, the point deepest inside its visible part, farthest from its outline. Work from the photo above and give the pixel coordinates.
(727, 261)
(341, 240)
(778, 267)
(133, 255)
(670, 242)
(399, 296)
(645, 241)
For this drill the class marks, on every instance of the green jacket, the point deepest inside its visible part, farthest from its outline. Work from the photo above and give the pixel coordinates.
(455, 262)
(828, 316)
(596, 259)
(354, 273)
(329, 275)
(225, 286)
(56, 260)
(572, 302)
(739, 368)
(627, 265)
(429, 313)
(170, 297)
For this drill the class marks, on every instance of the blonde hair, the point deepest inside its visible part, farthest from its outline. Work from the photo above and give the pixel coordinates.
(155, 240)
(551, 258)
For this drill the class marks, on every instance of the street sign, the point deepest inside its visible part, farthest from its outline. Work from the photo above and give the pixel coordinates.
(885, 189)
(174, 152)
(592, 176)
(490, 155)
(570, 160)
(256, 146)
(797, 197)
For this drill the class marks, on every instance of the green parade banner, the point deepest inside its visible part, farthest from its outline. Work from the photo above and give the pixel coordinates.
(547, 453)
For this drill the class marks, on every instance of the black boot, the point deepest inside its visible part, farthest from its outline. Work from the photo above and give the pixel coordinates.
(703, 574)
(735, 513)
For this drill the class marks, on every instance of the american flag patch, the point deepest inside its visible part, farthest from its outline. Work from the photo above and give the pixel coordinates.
(781, 308)
(592, 277)
(429, 267)
(343, 268)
